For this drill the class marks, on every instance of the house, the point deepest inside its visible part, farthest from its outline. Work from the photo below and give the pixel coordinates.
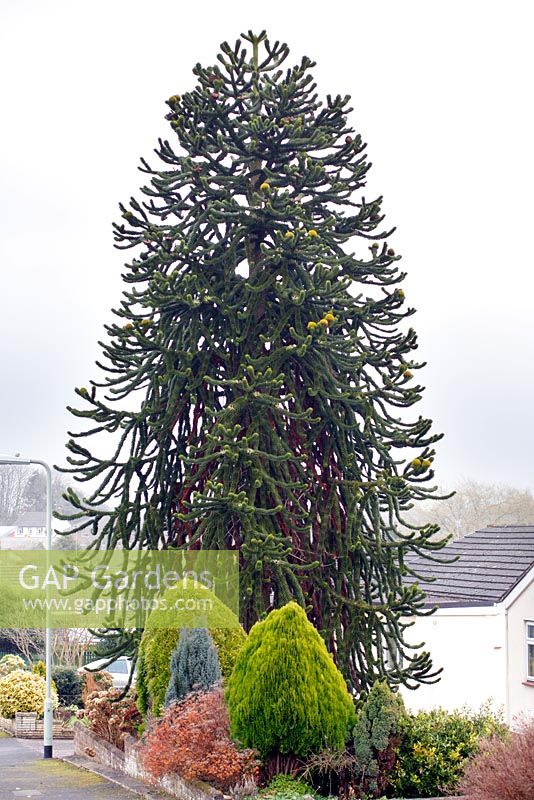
(31, 524)
(28, 532)
(482, 633)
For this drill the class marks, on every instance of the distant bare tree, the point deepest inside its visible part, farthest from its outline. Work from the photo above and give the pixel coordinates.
(14, 480)
(35, 492)
(68, 646)
(23, 488)
(28, 641)
(476, 505)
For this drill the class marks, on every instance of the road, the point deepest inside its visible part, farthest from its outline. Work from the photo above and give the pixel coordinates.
(23, 773)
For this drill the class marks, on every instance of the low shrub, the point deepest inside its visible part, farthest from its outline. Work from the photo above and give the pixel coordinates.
(503, 769)
(69, 686)
(110, 717)
(286, 786)
(367, 764)
(245, 789)
(193, 740)
(22, 690)
(333, 772)
(435, 746)
(10, 663)
(39, 668)
(95, 682)
(67, 714)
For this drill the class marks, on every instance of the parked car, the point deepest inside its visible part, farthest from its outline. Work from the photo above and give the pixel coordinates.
(119, 669)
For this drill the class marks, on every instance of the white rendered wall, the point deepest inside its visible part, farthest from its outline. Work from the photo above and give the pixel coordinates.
(470, 645)
(521, 696)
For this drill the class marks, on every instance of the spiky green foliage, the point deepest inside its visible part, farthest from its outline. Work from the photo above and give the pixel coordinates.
(194, 665)
(155, 651)
(259, 375)
(376, 738)
(285, 695)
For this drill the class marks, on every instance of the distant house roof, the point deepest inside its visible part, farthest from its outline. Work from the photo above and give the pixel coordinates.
(491, 563)
(32, 519)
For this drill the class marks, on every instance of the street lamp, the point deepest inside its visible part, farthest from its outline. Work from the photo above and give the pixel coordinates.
(48, 709)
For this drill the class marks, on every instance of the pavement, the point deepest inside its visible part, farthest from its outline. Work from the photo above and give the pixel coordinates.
(25, 774)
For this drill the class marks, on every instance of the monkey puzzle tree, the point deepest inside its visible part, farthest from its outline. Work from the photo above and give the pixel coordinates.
(258, 374)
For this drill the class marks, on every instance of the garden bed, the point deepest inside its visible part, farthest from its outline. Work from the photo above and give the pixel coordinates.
(89, 745)
(128, 762)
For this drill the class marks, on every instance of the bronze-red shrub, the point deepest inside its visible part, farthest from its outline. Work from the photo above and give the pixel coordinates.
(111, 718)
(193, 740)
(502, 770)
(95, 682)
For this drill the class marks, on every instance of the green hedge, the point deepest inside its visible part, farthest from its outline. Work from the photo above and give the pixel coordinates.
(434, 748)
(69, 686)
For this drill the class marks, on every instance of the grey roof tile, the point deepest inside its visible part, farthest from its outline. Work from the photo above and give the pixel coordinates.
(491, 562)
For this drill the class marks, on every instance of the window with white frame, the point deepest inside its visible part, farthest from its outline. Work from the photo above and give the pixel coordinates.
(530, 651)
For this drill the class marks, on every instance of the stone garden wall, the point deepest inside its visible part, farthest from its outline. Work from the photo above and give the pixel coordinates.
(29, 726)
(89, 745)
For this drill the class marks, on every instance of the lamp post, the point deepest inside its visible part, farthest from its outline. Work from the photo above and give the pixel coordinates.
(48, 708)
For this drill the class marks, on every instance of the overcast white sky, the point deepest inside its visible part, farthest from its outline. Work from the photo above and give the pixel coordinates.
(442, 93)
